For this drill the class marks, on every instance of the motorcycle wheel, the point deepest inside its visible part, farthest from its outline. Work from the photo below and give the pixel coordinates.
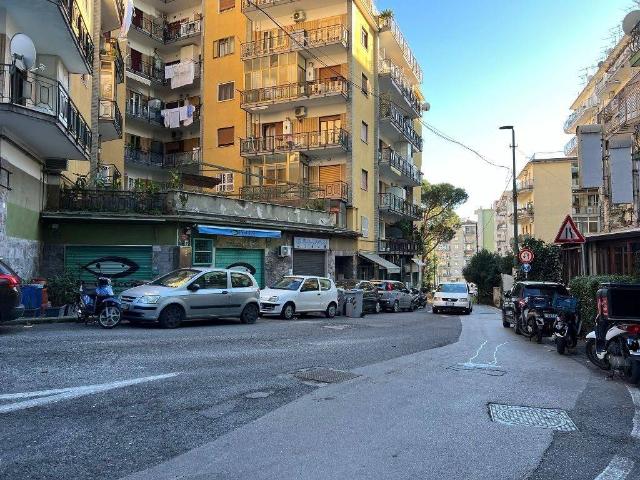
(593, 358)
(561, 345)
(530, 327)
(109, 317)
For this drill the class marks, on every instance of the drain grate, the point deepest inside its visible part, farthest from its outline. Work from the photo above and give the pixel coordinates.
(324, 375)
(518, 415)
(485, 369)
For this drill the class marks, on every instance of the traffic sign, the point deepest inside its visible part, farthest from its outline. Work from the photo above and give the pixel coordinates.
(569, 233)
(526, 255)
(526, 267)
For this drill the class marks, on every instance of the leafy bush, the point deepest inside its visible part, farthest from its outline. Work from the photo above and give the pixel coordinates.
(484, 270)
(62, 289)
(546, 266)
(585, 289)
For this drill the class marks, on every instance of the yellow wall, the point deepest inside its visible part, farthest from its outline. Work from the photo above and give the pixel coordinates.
(221, 70)
(552, 196)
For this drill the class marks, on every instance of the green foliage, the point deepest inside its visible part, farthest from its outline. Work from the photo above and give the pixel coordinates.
(585, 289)
(62, 289)
(547, 265)
(386, 13)
(484, 270)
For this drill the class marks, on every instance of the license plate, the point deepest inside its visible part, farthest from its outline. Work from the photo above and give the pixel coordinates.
(550, 316)
(451, 304)
(125, 306)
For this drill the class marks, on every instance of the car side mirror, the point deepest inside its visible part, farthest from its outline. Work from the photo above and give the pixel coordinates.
(194, 287)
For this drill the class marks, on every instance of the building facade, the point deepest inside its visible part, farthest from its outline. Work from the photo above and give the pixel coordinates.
(503, 220)
(454, 255)
(486, 229)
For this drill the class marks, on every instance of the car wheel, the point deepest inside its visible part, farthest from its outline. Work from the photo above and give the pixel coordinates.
(396, 307)
(331, 310)
(172, 316)
(378, 307)
(250, 314)
(505, 322)
(435, 310)
(288, 311)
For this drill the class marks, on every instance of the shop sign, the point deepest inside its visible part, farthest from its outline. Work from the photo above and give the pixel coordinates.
(305, 243)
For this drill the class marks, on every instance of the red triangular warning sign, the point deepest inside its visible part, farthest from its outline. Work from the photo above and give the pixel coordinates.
(569, 233)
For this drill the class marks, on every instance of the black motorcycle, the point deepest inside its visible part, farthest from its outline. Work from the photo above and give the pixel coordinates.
(538, 318)
(568, 323)
(418, 299)
(99, 304)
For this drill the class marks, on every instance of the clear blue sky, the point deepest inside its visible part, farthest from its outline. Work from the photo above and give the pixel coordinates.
(494, 62)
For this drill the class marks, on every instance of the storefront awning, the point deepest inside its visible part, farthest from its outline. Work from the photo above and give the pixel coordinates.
(386, 264)
(418, 262)
(238, 232)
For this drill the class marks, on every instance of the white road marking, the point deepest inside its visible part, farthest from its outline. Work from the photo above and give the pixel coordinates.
(618, 469)
(477, 352)
(52, 396)
(635, 396)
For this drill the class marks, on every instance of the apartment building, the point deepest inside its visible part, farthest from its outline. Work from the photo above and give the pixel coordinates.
(454, 255)
(503, 223)
(486, 229)
(544, 197)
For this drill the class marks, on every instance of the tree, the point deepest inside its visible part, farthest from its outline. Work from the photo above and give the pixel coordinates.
(484, 270)
(546, 265)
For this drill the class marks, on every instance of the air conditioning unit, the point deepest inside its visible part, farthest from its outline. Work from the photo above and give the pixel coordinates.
(55, 164)
(286, 251)
(299, 16)
(300, 112)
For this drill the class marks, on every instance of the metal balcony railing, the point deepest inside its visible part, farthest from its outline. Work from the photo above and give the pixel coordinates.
(390, 111)
(319, 37)
(249, 5)
(111, 201)
(525, 185)
(187, 29)
(161, 160)
(41, 94)
(78, 27)
(586, 210)
(387, 156)
(295, 142)
(337, 190)
(571, 146)
(151, 71)
(389, 24)
(146, 111)
(387, 67)
(623, 111)
(111, 51)
(150, 27)
(394, 204)
(296, 91)
(398, 246)
(110, 111)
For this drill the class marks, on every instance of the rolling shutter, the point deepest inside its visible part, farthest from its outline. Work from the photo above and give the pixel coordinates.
(330, 174)
(226, 257)
(309, 263)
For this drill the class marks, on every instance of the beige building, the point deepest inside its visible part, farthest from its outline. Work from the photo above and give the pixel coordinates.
(503, 223)
(454, 255)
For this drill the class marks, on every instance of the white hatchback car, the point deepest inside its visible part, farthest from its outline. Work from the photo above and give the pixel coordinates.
(300, 294)
(453, 296)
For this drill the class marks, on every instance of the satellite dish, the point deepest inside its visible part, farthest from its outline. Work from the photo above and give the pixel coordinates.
(426, 106)
(23, 51)
(630, 21)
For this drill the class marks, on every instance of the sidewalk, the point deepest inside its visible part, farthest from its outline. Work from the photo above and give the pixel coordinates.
(420, 416)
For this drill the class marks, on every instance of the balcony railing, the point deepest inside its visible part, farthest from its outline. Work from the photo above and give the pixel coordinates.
(390, 111)
(525, 212)
(396, 205)
(79, 28)
(389, 157)
(151, 71)
(398, 246)
(110, 111)
(250, 5)
(319, 37)
(112, 52)
(111, 201)
(525, 185)
(190, 28)
(389, 24)
(150, 27)
(387, 67)
(144, 112)
(41, 94)
(586, 210)
(337, 190)
(571, 146)
(296, 91)
(573, 120)
(623, 110)
(182, 159)
(161, 160)
(295, 142)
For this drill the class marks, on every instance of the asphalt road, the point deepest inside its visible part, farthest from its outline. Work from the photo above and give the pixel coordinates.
(186, 387)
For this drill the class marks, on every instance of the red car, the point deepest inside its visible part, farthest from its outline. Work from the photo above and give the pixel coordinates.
(10, 305)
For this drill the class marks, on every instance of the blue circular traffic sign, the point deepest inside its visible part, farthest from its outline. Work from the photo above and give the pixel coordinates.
(526, 267)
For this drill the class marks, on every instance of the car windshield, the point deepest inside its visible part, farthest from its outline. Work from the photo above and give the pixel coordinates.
(176, 279)
(5, 270)
(289, 283)
(452, 288)
(545, 291)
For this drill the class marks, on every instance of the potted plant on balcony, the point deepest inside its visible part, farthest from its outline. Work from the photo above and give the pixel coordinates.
(386, 14)
(62, 291)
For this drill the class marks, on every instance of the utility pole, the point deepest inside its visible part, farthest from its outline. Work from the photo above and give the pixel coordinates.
(516, 250)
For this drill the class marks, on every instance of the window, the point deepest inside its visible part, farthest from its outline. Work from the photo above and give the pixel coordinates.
(364, 38)
(226, 182)
(325, 285)
(364, 180)
(364, 226)
(226, 91)
(225, 5)
(213, 280)
(364, 132)
(226, 136)
(202, 251)
(310, 285)
(365, 85)
(240, 280)
(223, 47)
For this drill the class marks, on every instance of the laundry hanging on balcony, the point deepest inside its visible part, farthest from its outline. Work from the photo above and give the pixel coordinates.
(173, 116)
(183, 74)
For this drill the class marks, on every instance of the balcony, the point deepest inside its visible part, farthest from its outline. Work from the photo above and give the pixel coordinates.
(396, 126)
(398, 208)
(147, 70)
(150, 109)
(592, 211)
(571, 148)
(40, 109)
(333, 40)
(396, 48)
(398, 246)
(304, 94)
(109, 120)
(112, 12)
(111, 53)
(525, 185)
(279, 8)
(322, 143)
(622, 113)
(112, 201)
(398, 169)
(296, 193)
(144, 158)
(579, 116)
(525, 213)
(394, 82)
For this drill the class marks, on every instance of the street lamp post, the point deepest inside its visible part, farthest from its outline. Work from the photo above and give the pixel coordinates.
(516, 251)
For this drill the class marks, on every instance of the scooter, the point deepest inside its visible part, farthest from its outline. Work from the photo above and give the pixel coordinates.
(99, 304)
(568, 323)
(418, 299)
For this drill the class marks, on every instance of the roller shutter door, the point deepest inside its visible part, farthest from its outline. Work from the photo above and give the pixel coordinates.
(227, 257)
(307, 262)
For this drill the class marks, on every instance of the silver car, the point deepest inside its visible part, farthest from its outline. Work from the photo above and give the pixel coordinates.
(191, 293)
(394, 296)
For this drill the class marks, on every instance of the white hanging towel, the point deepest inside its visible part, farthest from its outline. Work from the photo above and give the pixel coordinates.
(169, 71)
(183, 74)
(174, 118)
(184, 113)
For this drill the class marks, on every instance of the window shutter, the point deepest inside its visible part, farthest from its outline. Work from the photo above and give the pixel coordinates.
(226, 136)
(227, 4)
(215, 48)
(232, 45)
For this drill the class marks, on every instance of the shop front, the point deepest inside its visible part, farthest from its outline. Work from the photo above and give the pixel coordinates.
(310, 256)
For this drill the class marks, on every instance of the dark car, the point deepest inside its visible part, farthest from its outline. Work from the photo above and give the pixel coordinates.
(516, 300)
(371, 297)
(10, 306)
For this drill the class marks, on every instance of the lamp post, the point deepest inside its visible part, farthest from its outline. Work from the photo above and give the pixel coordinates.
(516, 251)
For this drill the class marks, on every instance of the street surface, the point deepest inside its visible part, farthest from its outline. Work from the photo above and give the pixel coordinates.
(218, 400)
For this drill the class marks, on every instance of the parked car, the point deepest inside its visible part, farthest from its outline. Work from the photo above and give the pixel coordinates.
(454, 296)
(192, 293)
(10, 298)
(394, 296)
(515, 303)
(300, 294)
(371, 296)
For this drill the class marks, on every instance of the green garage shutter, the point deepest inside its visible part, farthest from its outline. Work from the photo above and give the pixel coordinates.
(125, 265)
(226, 257)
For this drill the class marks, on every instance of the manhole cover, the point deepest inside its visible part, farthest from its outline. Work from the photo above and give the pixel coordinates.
(551, 418)
(324, 375)
(485, 369)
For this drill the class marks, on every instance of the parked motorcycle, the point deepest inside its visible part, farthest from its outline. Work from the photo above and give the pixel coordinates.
(418, 298)
(538, 318)
(99, 304)
(619, 313)
(567, 325)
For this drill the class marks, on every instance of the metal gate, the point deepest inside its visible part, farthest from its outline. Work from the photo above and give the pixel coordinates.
(238, 258)
(306, 262)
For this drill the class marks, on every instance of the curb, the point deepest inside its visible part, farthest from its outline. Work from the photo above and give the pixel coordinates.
(41, 320)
